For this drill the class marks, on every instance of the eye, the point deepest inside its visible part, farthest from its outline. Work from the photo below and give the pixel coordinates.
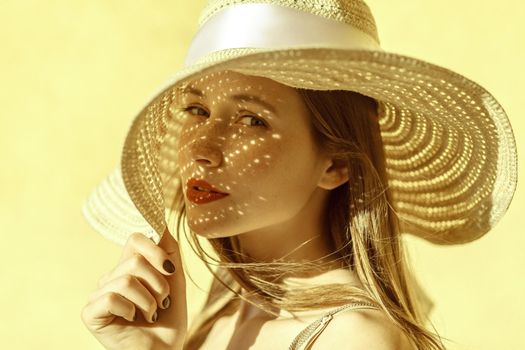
(190, 108)
(259, 122)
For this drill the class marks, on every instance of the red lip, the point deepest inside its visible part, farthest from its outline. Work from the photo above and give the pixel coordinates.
(201, 197)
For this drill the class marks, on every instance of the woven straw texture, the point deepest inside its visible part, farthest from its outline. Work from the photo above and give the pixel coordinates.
(449, 147)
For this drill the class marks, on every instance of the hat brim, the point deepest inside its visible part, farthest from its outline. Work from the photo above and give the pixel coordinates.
(449, 147)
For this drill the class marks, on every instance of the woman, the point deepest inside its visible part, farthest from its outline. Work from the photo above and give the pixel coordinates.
(303, 193)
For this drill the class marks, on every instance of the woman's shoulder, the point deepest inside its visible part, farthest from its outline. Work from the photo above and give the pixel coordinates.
(362, 329)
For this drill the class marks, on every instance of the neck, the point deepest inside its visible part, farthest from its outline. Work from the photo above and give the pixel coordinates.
(302, 238)
(337, 274)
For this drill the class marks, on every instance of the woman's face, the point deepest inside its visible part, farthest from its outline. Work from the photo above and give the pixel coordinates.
(251, 138)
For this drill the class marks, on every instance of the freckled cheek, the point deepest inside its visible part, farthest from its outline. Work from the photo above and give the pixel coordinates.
(182, 152)
(179, 156)
(254, 159)
(256, 163)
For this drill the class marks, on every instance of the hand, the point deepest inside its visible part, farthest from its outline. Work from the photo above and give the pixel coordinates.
(136, 286)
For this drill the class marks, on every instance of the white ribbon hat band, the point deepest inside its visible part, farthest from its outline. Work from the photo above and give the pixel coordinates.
(273, 26)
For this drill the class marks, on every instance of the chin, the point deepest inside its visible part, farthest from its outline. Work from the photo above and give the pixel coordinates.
(205, 230)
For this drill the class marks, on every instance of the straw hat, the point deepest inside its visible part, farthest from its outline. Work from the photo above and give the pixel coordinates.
(450, 150)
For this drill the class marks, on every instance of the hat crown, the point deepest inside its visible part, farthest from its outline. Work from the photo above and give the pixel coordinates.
(352, 12)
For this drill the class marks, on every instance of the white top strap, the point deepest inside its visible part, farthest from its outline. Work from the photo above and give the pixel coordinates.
(273, 26)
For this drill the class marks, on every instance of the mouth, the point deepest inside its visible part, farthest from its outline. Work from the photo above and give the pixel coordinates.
(202, 186)
(200, 191)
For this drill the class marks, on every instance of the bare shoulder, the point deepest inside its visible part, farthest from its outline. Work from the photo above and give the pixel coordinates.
(362, 329)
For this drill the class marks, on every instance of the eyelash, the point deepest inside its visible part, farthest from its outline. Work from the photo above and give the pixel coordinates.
(187, 109)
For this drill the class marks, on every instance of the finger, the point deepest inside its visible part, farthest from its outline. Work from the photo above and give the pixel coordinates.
(130, 288)
(168, 243)
(146, 274)
(177, 283)
(156, 256)
(103, 310)
(171, 247)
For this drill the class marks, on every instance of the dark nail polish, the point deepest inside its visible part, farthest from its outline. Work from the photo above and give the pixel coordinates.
(155, 316)
(168, 266)
(166, 302)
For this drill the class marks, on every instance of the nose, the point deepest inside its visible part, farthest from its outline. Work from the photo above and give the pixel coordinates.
(205, 152)
(205, 141)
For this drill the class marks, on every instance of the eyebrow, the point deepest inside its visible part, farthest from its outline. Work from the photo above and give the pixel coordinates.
(237, 97)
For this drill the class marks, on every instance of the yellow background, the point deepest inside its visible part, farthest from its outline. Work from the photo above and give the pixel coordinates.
(74, 73)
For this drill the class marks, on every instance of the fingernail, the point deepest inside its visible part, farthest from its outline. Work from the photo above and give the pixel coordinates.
(168, 266)
(155, 316)
(166, 302)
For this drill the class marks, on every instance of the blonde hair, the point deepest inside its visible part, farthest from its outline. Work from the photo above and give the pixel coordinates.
(364, 233)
